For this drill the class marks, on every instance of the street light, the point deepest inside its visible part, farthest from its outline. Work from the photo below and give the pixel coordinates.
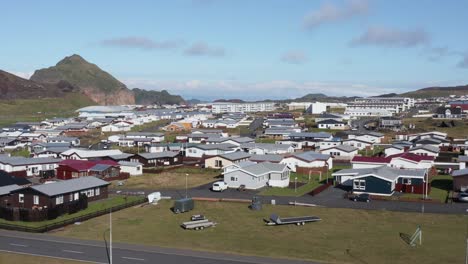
(109, 253)
(295, 184)
(186, 185)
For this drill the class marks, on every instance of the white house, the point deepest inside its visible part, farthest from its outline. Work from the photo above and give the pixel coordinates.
(358, 143)
(32, 166)
(332, 124)
(267, 148)
(463, 161)
(308, 159)
(373, 137)
(402, 161)
(343, 152)
(120, 126)
(394, 149)
(85, 154)
(425, 150)
(257, 175)
(201, 150)
(224, 160)
(133, 168)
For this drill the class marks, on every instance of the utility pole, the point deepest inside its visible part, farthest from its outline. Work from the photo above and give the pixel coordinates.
(110, 237)
(186, 185)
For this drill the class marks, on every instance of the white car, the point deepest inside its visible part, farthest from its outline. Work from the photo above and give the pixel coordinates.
(219, 186)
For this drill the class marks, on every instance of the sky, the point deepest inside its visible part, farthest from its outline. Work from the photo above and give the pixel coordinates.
(253, 50)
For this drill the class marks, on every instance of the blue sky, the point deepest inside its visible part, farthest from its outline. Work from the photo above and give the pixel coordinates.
(212, 49)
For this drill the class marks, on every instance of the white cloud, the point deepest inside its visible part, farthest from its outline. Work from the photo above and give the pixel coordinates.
(330, 12)
(203, 49)
(295, 57)
(141, 43)
(391, 37)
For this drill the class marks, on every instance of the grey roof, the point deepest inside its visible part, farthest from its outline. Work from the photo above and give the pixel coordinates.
(328, 116)
(462, 172)
(100, 167)
(311, 135)
(463, 158)
(222, 146)
(9, 188)
(330, 121)
(428, 148)
(396, 146)
(235, 155)
(385, 172)
(121, 156)
(310, 156)
(67, 186)
(66, 139)
(345, 148)
(269, 157)
(263, 168)
(145, 134)
(267, 146)
(281, 130)
(158, 155)
(239, 140)
(56, 150)
(15, 161)
(129, 163)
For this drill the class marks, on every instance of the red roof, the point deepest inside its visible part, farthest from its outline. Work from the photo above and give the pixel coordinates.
(84, 165)
(464, 107)
(371, 159)
(411, 156)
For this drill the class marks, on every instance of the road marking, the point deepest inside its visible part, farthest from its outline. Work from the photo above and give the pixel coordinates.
(18, 245)
(139, 259)
(72, 251)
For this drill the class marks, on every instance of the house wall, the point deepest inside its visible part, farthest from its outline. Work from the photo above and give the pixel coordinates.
(358, 165)
(423, 152)
(293, 163)
(460, 182)
(243, 178)
(376, 185)
(339, 153)
(357, 144)
(133, 171)
(405, 164)
(211, 162)
(393, 151)
(279, 179)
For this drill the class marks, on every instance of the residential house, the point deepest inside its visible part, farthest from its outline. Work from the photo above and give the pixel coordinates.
(358, 143)
(132, 168)
(69, 169)
(369, 136)
(72, 141)
(84, 154)
(425, 150)
(306, 160)
(223, 160)
(460, 180)
(448, 112)
(257, 175)
(117, 126)
(201, 150)
(394, 149)
(332, 124)
(155, 159)
(230, 140)
(390, 122)
(342, 152)
(383, 180)
(28, 167)
(404, 160)
(463, 162)
(272, 158)
(328, 116)
(266, 148)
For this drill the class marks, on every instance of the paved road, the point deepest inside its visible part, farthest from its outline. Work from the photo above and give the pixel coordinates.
(95, 251)
(332, 197)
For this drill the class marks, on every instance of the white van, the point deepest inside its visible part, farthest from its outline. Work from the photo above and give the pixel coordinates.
(219, 186)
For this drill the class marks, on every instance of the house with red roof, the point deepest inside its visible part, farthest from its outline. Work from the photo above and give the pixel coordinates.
(70, 169)
(402, 161)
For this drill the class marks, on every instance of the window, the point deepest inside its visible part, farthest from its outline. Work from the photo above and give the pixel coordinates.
(359, 184)
(36, 199)
(21, 198)
(406, 181)
(71, 197)
(218, 163)
(59, 199)
(97, 191)
(77, 196)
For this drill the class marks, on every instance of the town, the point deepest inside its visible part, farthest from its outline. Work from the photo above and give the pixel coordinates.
(407, 154)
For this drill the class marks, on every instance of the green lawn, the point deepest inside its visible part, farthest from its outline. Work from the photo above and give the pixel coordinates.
(311, 184)
(265, 140)
(441, 185)
(343, 235)
(92, 207)
(429, 124)
(29, 259)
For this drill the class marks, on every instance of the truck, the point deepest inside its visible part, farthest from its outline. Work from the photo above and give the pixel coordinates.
(301, 220)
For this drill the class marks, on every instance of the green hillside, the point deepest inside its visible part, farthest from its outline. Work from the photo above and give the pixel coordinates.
(147, 97)
(437, 92)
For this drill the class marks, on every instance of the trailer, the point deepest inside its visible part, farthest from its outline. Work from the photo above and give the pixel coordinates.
(301, 220)
(198, 224)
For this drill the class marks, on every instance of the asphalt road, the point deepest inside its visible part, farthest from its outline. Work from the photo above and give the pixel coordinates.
(95, 251)
(332, 197)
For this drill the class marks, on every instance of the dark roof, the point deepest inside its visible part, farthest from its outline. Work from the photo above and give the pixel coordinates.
(330, 121)
(7, 179)
(454, 110)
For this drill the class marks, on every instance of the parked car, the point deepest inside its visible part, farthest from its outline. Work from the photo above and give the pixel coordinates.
(363, 197)
(219, 186)
(463, 197)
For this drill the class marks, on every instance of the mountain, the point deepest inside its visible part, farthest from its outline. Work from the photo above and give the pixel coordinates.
(146, 97)
(309, 97)
(13, 87)
(438, 92)
(98, 85)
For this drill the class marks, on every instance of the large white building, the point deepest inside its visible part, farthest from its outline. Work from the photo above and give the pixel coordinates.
(242, 107)
(378, 106)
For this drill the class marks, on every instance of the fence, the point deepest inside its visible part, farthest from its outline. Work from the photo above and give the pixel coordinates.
(321, 188)
(122, 176)
(49, 227)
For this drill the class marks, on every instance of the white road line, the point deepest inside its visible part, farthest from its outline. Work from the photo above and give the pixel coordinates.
(72, 251)
(18, 245)
(139, 259)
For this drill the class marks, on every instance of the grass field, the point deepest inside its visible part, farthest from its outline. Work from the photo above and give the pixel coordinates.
(429, 124)
(27, 259)
(343, 235)
(311, 184)
(12, 111)
(441, 185)
(92, 207)
(174, 179)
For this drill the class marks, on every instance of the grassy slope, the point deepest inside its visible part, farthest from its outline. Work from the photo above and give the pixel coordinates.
(429, 124)
(40, 109)
(368, 236)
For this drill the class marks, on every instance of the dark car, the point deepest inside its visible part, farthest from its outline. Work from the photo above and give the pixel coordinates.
(363, 197)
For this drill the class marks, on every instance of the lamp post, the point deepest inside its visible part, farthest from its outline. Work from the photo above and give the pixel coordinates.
(109, 252)
(295, 184)
(186, 185)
